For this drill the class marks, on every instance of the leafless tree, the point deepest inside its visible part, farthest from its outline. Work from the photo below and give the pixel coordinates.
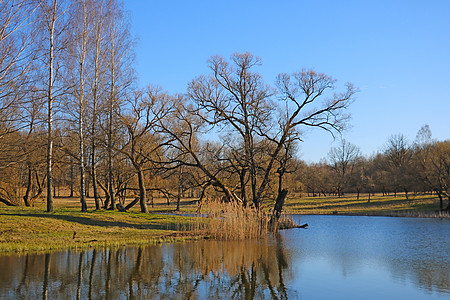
(119, 76)
(342, 160)
(16, 60)
(433, 160)
(399, 154)
(235, 100)
(142, 142)
(53, 23)
(81, 23)
(97, 64)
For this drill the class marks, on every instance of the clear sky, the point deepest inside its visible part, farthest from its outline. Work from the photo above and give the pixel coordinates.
(396, 52)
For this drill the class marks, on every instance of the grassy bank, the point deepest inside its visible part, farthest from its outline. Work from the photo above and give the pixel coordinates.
(415, 206)
(25, 229)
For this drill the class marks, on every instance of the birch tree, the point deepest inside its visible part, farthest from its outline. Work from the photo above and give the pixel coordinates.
(119, 77)
(53, 24)
(97, 63)
(81, 23)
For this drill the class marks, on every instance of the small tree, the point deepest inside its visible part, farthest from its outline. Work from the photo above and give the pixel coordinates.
(342, 160)
(399, 156)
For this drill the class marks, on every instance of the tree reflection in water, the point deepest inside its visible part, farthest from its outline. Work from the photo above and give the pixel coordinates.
(239, 269)
(283, 266)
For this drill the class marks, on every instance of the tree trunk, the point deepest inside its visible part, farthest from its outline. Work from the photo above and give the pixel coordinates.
(180, 189)
(94, 181)
(243, 191)
(97, 39)
(142, 192)
(441, 202)
(7, 202)
(111, 182)
(132, 203)
(81, 113)
(26, 197)
(82, 177)
(278, 206)
(51, 22)
(50, 129)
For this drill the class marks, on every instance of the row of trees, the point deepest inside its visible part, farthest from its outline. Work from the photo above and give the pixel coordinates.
(67, 83)
(420, 167)
(63, 63)
(70, 108)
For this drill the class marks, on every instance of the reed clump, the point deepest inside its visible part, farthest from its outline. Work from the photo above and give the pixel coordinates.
(232, 221)
(286, 222)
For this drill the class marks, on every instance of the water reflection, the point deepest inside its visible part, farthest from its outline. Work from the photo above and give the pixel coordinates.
(337, 258)
(241, 270)
(373, 254)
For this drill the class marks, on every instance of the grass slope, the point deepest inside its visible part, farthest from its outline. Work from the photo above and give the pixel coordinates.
(31, 229)
(420, 205)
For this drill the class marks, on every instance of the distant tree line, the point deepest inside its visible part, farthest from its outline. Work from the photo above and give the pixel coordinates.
(420, 167)
(72, 117)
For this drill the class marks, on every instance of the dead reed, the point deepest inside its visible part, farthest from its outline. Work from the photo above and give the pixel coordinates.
(231, 221)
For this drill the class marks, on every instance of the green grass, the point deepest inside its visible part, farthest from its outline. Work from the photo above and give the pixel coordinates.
(418, 205)
(24, 229)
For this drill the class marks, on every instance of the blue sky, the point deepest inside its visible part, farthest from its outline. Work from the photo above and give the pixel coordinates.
(396, 52)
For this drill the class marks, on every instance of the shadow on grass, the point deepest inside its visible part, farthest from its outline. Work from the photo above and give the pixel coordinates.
(85, 220)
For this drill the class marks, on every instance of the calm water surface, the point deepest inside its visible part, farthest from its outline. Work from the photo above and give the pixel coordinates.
(338, 257)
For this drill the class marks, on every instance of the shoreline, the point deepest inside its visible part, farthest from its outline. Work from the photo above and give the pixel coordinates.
(26, 230)
(435, 215)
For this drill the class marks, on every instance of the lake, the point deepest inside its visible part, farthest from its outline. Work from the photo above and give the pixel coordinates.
(337, 257)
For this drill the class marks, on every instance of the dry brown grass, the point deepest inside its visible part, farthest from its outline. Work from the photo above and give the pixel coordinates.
(231, 221)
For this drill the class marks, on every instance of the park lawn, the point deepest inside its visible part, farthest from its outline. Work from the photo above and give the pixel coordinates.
(31, 229)
(416, 205)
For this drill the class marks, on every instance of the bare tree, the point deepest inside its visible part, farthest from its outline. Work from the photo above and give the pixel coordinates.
(433, 158)
(97, 64)
(142, 142)
(342, 160)
(304, 95)
(53, 24)
(440, 170)
(16, 59)
(235, 100)
(399, 155)
(81, 23)
(119, 76)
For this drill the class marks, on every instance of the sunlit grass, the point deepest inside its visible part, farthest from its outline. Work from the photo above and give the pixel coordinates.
(31, 229)
(415, 205)
(25, 229)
